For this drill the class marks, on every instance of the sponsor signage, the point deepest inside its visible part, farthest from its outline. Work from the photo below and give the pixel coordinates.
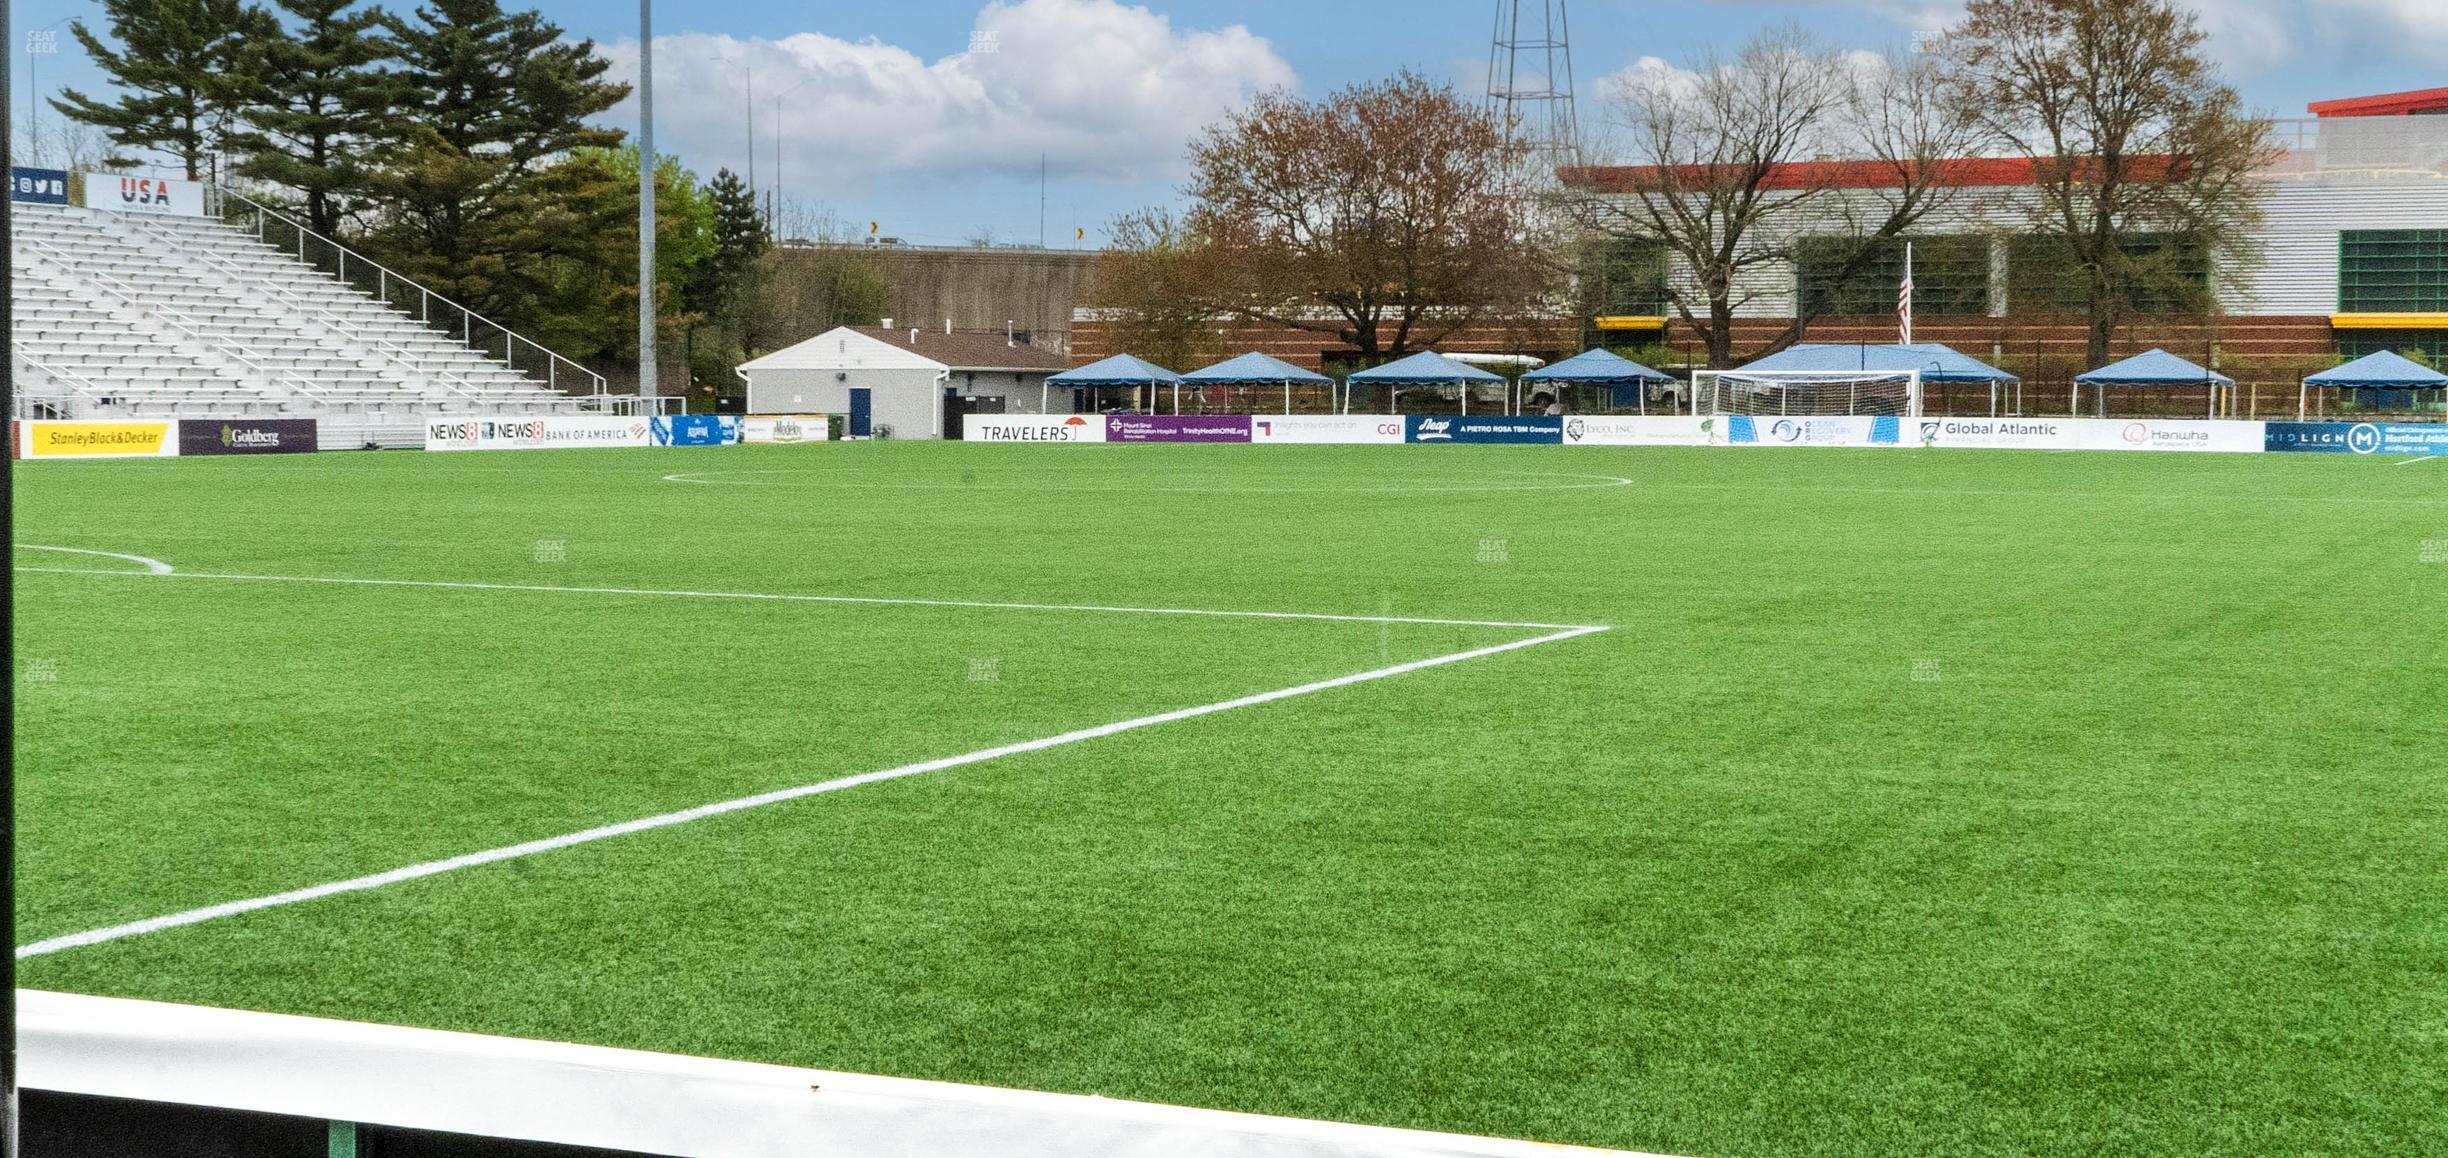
(246, 436)
(2201, 435)
(785, 428)
(144, 194)
(38, 186)
(1032, 428)
(1644, 430)
(1813, 430)
(1177, 428)
(1996, 433)
(696, 430)
(1346, 429)
(2424, 438)
(1475, 428)
(97, 439)
(535, 433)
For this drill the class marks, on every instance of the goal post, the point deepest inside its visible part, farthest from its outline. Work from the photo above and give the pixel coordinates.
(1807, 393)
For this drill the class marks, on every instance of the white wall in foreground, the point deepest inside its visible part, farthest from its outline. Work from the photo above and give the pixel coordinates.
(628, 1100)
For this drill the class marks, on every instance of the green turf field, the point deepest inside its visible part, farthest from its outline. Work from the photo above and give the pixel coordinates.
(1915, 803)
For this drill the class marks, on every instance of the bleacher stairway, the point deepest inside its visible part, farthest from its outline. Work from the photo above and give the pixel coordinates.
(123, 315)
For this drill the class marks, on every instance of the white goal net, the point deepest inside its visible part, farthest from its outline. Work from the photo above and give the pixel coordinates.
(1807, 393)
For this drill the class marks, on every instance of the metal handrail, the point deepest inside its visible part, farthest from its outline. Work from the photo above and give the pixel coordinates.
(426, 297)
(406, 357)
(224, 345)
(78, 384)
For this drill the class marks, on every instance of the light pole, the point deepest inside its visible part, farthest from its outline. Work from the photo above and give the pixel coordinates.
(773, 203)
(646, 201)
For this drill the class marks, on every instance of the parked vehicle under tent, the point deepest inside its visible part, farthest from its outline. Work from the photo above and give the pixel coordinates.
(1583, 379)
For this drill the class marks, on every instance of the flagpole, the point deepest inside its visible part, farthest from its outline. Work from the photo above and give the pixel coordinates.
(1904, 297)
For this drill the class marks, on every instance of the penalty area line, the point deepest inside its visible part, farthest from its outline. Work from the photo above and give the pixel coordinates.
(742, 804)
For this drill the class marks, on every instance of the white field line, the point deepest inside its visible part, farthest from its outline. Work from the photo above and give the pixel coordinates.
(2425, 458)
(152, 566)
(704, 811)
(1554, 633)
(860, 600)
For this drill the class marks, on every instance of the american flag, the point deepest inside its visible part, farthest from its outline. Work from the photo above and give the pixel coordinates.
(1904, 296)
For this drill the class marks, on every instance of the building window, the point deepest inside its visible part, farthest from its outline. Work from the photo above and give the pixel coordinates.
(1950, 275)
(2162, 275)
(1624, 277)
(2393, 271)
(2422, 345)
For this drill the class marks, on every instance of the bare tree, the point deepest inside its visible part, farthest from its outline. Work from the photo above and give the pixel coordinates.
(1388, 215)
(1154, 289)
(2143, 164)
(1714, 172)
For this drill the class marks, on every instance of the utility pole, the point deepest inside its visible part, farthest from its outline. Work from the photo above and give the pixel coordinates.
(646, 201)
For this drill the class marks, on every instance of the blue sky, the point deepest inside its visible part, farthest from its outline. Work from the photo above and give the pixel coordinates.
(928, 117)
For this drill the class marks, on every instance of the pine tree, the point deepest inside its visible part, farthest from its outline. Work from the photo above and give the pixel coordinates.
(488, 100)
(181, 73)
(739, 229)
(317, 103)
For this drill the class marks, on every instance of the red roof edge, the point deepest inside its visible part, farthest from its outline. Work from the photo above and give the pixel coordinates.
(2395, 104)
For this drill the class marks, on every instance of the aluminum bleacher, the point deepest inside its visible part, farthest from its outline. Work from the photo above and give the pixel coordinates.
(128, 315)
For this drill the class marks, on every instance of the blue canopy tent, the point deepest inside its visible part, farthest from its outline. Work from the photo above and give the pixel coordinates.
(1601, 367)
(2393, 375)
(2151, 369)
(1252, 369)
(1121, 370)
(1426, 368)
(1933, 361)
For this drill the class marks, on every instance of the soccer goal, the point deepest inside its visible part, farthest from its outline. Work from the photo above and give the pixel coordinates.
(1805, 393)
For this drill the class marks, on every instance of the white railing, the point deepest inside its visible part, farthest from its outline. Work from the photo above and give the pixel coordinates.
(282, 232)
(79, 386)
(222, 344)
(410, 363)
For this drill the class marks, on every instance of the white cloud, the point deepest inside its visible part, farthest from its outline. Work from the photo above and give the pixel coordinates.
(1101, 89)
(2252, 37)
(2416, 25)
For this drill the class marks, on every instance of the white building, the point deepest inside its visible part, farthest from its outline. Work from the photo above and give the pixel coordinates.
(905, 382)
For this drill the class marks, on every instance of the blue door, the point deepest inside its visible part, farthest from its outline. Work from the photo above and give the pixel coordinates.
(862, 411)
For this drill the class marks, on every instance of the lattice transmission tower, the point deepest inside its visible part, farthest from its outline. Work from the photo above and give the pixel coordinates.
(1530, 80)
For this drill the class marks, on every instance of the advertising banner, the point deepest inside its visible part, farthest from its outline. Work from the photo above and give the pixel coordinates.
(1177, 428)
(1998, 433)
(1814, 430)
(2201, 435)
(38, 186)
(553, 432)
(785, 429)
(1343, 429)
(1639, 430)
(696, 430)
(144, 194)
(2425, 438)
(246, 436)
(97, 439)
(1032, 428)
(1496, 428)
